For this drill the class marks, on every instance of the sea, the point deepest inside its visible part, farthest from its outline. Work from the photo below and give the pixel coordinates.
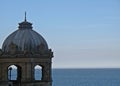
(86, 77)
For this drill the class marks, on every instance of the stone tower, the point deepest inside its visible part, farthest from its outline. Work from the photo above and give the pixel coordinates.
(25, 49)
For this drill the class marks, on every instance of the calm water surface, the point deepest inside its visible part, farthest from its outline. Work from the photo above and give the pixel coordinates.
(86, 77)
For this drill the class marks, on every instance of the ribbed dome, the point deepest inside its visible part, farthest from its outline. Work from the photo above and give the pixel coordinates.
(24, 39)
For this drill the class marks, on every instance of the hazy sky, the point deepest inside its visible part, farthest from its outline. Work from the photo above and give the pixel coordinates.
(82, 33)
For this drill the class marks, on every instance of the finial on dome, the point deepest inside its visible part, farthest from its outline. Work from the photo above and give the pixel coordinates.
(25, 24)
(25, 17)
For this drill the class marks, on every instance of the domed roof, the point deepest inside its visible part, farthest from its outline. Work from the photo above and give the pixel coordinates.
(24, 39)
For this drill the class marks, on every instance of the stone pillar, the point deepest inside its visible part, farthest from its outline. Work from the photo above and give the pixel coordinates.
(23, 71)
(0, 71)
(4, 73)
(32, 71)
(50, 71)
(29, 72)
(47, 71)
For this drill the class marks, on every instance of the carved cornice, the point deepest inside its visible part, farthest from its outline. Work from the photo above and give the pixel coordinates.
(45, 54)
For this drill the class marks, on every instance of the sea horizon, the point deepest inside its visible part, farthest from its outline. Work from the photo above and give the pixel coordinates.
(91, 68)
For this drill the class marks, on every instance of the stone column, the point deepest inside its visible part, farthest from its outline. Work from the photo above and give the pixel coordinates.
(4, 72)
(50, 71)
(23, 66)
(0, 71)
(47, 71)
(29, 72)
(32, 71)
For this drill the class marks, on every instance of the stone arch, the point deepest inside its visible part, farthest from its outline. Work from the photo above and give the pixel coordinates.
(14, 72)
(38, 72)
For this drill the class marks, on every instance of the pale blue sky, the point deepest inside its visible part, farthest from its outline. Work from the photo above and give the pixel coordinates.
(82, 33)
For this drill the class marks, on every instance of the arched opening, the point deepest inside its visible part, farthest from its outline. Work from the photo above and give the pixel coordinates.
(38, 72)
(14, 73)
